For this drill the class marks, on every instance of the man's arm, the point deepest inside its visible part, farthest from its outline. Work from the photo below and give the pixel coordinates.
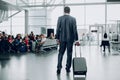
(75, 30)
(77, 43)
(58, 29)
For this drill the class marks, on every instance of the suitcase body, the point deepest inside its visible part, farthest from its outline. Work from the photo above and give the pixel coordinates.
(79, 65)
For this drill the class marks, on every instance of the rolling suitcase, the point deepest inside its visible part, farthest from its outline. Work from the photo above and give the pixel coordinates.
(79, 65)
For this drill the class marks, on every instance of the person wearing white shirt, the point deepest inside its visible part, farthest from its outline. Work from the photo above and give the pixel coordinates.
(105, 42)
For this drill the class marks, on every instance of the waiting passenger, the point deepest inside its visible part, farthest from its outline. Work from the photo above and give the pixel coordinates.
(26, 40)
(51, 36)
(0, 42)
(105, 42)
(11, 45)
(4, 43)
(17, 42)
(40, 41)
(23, 47)
(32, 36)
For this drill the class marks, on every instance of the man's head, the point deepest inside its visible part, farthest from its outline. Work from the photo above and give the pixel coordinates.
(67, 9)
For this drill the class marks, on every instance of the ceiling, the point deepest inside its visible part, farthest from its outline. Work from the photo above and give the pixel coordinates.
(6, 6)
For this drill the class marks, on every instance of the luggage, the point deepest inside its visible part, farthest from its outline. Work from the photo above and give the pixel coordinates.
(79, 65)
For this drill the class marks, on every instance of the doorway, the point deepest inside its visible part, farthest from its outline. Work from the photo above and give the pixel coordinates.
(95, 32)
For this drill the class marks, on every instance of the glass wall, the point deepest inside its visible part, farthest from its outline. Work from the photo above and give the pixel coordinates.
(85, 15)
(113, 17)
(113, 12)
(56, 12)
(18, 23)
(95, 14)
(39, 18)
(79, 14)
(14, 25)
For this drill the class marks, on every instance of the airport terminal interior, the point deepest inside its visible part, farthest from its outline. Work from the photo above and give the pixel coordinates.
(24, 22)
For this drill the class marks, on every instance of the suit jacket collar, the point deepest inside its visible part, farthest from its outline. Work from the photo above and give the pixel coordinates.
(66, 14)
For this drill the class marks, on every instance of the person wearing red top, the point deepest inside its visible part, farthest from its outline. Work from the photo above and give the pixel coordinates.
(26, 40)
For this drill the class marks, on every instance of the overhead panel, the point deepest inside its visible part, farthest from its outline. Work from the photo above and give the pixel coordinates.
(113, 0)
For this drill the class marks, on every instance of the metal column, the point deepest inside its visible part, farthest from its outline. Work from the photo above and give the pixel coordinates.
(26, 22)
(85, 14)
(11, 23)
(105, 15)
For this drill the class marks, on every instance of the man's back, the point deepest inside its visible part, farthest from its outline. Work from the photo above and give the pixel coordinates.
(66, 28)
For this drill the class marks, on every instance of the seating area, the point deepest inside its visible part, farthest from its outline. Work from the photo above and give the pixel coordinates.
(50, 43)
(27, 43)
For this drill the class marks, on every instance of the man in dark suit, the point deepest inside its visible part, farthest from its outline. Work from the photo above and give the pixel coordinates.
(66, 34)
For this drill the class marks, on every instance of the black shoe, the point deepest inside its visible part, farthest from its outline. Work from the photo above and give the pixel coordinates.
(58, 71)
(67, 70)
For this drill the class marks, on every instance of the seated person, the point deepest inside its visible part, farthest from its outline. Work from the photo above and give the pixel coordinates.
(105, 42)
(0, 42)
(32, 36)
(39, 42)
(51, 36)
(28, 43)
(17, 42)
(23, 46)
(4, 43)
(11, 45)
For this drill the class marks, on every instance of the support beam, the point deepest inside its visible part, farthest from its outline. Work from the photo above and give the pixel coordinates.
(73, 4)
(14, 14)
(105, 16)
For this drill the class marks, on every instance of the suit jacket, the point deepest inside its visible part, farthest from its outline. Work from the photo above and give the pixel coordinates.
(66, 29)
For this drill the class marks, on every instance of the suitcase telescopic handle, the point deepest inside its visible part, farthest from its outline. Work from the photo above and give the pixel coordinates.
(80, 51)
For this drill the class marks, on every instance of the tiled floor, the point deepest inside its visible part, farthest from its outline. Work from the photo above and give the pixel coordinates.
(43, 66)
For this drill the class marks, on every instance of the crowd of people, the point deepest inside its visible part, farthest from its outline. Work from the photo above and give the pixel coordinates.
(18, 44)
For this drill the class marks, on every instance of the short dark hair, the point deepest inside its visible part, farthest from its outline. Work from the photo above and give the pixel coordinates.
(67, 9)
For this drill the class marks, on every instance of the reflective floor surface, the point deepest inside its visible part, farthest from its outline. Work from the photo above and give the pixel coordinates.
(42, 66)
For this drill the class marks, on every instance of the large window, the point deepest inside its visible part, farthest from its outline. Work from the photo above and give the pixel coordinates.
(58, 11)
(85, 15)
(113, 12)
(95, 14)
(14, 25)
(113, 17)
(78, 13)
